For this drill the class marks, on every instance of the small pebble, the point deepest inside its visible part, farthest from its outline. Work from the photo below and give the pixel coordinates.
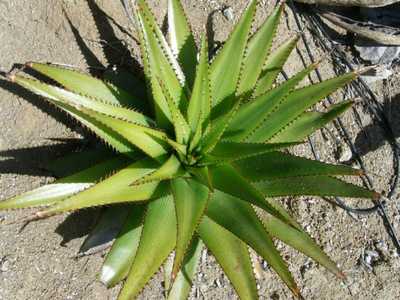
(345, 154)
(228, 13)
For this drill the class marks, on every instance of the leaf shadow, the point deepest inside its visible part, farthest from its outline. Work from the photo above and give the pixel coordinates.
(32, 161)
(372, 136)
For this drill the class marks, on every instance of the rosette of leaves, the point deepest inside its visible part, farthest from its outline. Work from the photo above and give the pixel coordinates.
(197, 157)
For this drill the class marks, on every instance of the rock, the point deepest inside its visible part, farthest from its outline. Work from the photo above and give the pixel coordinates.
(228, 13)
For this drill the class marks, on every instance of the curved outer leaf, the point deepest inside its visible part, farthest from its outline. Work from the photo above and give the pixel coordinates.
(180, 290)
(309, 122)
(226, 179)
(115, 189)
(273, 66)
(63, 188)
(200, 102)
(313, 186)
(233, 256)
(276, 165)
(239, 218)
(84, 84)
(156, 243)
(299, 240)
(77, 101)
(190, 203)
(231, 151)
(106, 134)
(295, 104)
(120, 258)
(106, 229)
(152, 142)
(252, 114)
(257, 50)
(181, 39)
(226, 67)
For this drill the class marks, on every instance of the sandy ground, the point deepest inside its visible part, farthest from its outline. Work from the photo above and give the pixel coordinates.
(38, 263)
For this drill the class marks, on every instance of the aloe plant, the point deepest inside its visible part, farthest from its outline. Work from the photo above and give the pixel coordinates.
(199, 159)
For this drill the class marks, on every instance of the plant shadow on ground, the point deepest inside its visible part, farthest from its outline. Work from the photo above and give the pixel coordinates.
(372, 136)
(32, 161)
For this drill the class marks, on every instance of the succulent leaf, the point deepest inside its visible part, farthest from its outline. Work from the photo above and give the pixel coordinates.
(190, 203)
(276, 165)
(154, 247)
(257, 50)
(181, 39)
(295, 104)
(241, 220)
(115, 189)
(77, 161)
(233, 256)
(83, 84)
(200, 102)
(65, 187)
(300, 241)
(273, 66)
(120, 258)
(226, 179)
(227, 65)
(309, 122)
(180, 289)
(327, 186)
(252, 115)
(106, 229)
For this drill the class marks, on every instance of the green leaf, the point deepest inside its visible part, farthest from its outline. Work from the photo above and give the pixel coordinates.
(83, 84)
(170, 169)
(180, 290)
(233, 256)
(253, 114)
(218, 128)
(125, 80)
(239, 218)
(276, 165)
(120, 258)
(257, 50)
(181, 40)
(159, 63)
(226, 179)
(77, 161)
(191, 199)
(106, 229)
(63, 188)
(299, 240)
(323, 186)
(232, 151)
(78, 101)
(308, 123)
(115, 189)
(106, 134)
(200, 102)
(227, 65)
(295, 104)
(202, 174)
(182, 129)
(156, 243)
(152, 142)
(274, 66)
